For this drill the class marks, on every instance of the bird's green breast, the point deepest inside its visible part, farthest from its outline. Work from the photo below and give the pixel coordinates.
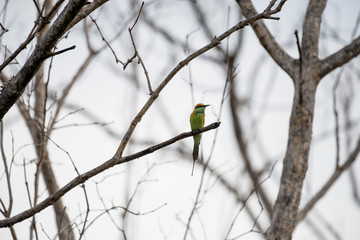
(197, 120)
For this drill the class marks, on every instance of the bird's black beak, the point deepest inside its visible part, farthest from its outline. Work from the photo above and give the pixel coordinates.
(207, 105)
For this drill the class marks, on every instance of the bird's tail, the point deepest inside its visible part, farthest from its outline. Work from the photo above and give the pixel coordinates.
(195, 152)
(195, 156)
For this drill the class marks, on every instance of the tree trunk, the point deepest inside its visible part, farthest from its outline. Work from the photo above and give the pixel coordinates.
(295, 162)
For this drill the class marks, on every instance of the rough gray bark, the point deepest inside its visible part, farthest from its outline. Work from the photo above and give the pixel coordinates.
(295, 162)
(18, 83)
(306, 72)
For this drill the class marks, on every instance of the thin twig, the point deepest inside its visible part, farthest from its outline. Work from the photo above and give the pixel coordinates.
(3, 30)
(300, 66)
(136, 53)
(7, 211)
(187, 52)
(138, 16)
(87, 212)
(27, 184)
(33, 221)
(336, 115)
(141, 62)
(299, 48)
(60, 52)
(255, 189)
(37, 7)
(107, 211)
(20, 48)
(43, 230)
(142, 180)
(195, 205)
(107, 43)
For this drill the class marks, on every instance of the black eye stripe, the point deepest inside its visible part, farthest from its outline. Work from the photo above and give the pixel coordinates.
(202, 106)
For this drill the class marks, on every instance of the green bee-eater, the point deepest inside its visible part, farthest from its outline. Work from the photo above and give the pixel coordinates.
(197, 120)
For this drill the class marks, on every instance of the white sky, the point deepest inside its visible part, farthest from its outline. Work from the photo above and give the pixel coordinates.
(109, 93)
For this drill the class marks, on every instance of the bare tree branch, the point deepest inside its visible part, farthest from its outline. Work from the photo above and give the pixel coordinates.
(116, 160)
(137, 53)
(52, 54)
(340, 57)
(17, 85)
(6, 211)
(107, 43)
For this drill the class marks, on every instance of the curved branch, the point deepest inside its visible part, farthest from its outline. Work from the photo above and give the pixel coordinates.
(267, 40)
(340, 57)
(106, 165)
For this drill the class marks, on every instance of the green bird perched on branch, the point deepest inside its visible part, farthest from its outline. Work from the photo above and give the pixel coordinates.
(197, 120)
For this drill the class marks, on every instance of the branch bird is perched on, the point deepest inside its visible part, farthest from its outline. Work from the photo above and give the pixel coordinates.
(197, 120)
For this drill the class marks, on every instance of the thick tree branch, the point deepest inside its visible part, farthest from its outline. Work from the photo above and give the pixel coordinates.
(17, 85)
(267, 40)
(85, 176)
(340, 57)
(311, 30)
(85, 11)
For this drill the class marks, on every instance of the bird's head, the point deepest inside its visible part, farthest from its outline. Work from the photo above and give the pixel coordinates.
(201, 106)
